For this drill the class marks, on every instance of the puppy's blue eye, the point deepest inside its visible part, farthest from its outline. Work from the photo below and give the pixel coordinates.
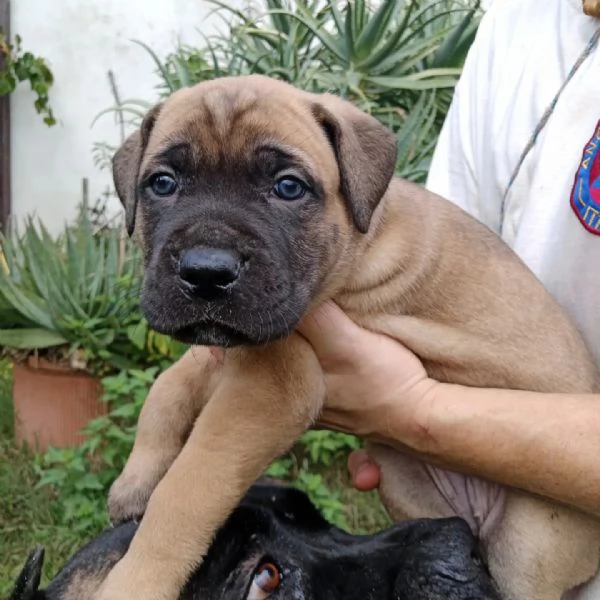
(163, 184)
(289, 188)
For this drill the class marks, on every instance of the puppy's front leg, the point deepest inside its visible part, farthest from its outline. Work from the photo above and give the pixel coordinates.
(167, 417)
(266, 398)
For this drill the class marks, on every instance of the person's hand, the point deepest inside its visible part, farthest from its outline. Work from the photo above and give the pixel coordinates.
(372, 382)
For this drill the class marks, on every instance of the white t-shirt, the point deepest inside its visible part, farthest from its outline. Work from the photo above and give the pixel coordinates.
(522, 55)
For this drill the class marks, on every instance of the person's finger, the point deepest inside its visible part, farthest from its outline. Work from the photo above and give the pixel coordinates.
(367, 478)
(329, 330)
(364, 472)
(356, 460)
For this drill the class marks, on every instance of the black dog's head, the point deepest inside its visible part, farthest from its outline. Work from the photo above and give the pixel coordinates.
(248, 196)
(277, 546)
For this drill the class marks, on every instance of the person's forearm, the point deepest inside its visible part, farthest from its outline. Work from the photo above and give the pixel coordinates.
(548, 444)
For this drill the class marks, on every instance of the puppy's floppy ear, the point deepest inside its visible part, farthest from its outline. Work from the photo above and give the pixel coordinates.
(366, 153)
(126, 166)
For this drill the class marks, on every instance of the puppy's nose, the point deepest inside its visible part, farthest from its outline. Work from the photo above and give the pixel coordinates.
(209, 271)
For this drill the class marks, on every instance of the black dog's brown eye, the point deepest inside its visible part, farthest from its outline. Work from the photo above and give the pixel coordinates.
(163, 184)
(289, 188)
(267, 579)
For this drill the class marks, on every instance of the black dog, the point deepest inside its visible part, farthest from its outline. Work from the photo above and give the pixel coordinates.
(277, 545)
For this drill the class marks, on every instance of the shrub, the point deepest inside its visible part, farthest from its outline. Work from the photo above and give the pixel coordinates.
(81, 477)
(75, 298)
(17, 66)
(397, 59)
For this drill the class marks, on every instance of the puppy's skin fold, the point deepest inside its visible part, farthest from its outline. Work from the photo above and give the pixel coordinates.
(398, 259)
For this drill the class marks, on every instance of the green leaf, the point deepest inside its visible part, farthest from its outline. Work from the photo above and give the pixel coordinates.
(348, 38)
(279, 22)
(159, 65)
(89, 481)
(27, 339)
(138, 335)
(414, 82)
(376, 29)
(27, 303)
(326, 39)
(7, 85)
(338, 19)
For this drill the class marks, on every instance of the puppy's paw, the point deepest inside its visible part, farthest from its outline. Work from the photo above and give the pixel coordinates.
(128, 498)
(130, 493)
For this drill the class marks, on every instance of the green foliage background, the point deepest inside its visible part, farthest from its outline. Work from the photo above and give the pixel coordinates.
(397, 59)
(17, 66)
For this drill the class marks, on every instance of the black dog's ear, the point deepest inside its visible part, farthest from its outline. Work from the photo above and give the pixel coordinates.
(126, 166)
(28, 582)
(366, 153)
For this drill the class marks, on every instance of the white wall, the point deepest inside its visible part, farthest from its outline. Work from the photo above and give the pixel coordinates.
(82, 40)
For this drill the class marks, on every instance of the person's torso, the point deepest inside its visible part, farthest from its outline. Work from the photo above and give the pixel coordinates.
(552, 211)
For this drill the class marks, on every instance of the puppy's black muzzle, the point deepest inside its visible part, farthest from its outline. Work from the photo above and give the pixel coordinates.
(277, 546)
(208, 273)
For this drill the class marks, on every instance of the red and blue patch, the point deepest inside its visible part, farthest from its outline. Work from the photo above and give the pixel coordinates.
(585, 196)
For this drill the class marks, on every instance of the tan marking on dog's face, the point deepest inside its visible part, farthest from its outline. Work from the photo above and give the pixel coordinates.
(224, 121)
(87, 581)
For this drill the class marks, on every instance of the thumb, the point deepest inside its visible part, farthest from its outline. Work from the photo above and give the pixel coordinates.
(364, 472)
(329, 331)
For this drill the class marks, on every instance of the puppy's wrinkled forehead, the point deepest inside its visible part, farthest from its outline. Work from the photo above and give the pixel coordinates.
(226, 119)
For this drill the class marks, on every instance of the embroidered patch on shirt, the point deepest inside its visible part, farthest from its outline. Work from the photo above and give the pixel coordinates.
(585, 196)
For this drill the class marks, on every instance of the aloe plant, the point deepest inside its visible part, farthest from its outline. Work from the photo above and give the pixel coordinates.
(75, 294)
(397, 59)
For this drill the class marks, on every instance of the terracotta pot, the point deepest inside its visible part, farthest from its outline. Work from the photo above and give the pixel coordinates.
(53, 403)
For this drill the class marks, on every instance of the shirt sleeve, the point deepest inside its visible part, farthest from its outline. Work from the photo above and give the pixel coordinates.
(463, 154)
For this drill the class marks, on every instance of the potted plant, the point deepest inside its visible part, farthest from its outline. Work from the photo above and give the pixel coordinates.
(17, 66)
(69, 315)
